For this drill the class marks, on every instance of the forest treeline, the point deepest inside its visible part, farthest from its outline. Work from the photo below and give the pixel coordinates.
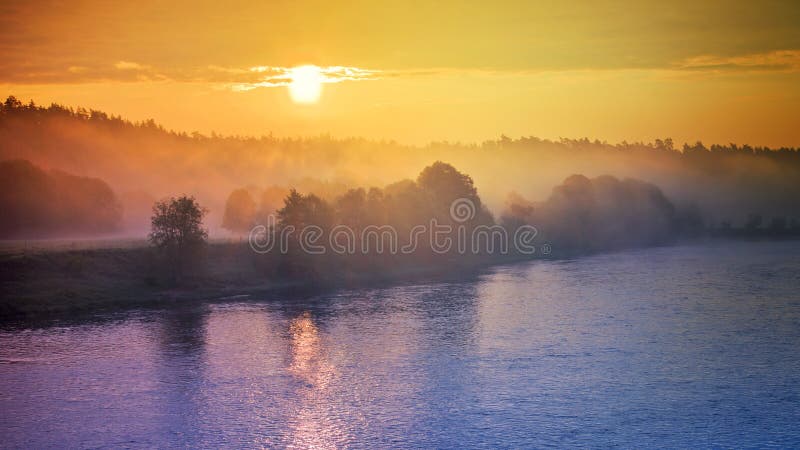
(724, 186)
(373, 230)
(39, 203)
(366, 231)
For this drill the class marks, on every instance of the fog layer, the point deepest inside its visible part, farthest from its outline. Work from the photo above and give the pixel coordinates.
(142, 162)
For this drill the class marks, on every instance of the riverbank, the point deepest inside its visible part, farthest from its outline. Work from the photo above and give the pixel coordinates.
(51, 283)
(58, 283)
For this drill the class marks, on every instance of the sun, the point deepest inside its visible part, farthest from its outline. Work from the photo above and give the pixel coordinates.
(306, 84)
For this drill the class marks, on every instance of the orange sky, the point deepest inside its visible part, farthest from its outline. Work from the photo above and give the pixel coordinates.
(461, 71)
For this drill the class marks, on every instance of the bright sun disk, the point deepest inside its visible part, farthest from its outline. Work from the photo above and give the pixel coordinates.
(306, 84)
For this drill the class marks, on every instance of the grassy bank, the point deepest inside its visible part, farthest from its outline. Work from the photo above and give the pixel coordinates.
(44, 283)
(48, 282)
(59, 281)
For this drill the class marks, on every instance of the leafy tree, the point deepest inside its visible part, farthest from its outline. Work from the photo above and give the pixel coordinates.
(177, 230)
(376, 207)
(240, 211)
(446, 184)
(303, 210)
(351, 208)
(270, 201)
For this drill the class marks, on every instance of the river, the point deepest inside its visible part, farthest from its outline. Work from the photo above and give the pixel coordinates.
(682, 346)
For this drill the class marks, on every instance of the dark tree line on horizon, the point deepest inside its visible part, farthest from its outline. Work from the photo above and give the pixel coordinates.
(15, 108)
(725, 187)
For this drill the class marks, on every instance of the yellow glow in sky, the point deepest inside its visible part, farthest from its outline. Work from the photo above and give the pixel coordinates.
(716, 71)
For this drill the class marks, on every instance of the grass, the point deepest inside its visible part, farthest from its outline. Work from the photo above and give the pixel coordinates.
(47, 282)
(55, 282)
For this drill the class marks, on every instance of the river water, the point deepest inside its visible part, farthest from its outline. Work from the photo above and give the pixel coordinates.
(691, 345)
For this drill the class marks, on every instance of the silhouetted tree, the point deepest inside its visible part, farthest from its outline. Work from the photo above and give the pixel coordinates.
(177, 230)
(444, 184)
(270, 201)
(519, 211)
(351, 208)
(407, 205)
(584, 214)
(303, 210)
(240, 211)
(377, 208)
(304, 215)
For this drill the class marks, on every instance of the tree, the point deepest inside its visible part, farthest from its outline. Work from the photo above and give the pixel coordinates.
(177, 230)
(445, 185)
(351, 208)
(301, 211)
(270, 201)
(304, 214)
(36, 202)
(240, 211)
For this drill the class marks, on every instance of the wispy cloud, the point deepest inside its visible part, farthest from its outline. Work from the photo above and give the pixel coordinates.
(234, 78)
(271, 76)
(779, 60)
(243, 79)
(127, 65)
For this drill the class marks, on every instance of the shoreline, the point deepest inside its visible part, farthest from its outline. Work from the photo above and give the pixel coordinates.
(59, 284)
(52, 284)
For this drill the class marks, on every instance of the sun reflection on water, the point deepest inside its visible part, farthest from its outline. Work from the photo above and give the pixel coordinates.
(312, 427)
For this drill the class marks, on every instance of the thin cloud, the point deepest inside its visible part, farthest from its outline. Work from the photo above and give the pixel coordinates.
(234, 78)
(779, 60)
(127, 65)
(282, 76)
(242, 79)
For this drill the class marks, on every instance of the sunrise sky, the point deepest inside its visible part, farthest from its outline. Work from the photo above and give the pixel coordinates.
(419, 71)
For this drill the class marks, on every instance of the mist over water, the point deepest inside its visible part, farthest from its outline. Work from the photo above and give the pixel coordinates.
(669, 347)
